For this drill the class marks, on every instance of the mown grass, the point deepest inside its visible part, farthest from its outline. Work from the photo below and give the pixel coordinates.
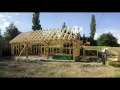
(99, 48)
(117, 74)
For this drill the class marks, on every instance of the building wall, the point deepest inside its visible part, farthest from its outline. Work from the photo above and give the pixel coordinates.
(76, 49)
(43, 48)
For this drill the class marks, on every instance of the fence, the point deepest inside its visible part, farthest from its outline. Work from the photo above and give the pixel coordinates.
(4, 48)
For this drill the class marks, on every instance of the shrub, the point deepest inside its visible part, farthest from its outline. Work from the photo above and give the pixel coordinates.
(115, 64)
(62, 57)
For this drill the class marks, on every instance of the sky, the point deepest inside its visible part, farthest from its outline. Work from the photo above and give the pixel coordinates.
(105, 21)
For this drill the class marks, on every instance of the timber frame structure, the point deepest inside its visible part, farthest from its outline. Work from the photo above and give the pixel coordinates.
(47, 42)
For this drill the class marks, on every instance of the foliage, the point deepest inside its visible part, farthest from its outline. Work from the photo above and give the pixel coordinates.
(93, 42)
(36, 22)
(115, 64)
(92, 27)
(62, 57)
(107, 39)
(84, 39)
(11, 32)
(0, 34)
(63, 26)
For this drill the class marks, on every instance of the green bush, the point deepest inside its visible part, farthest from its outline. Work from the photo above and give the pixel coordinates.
(62, 57)
(115, 64)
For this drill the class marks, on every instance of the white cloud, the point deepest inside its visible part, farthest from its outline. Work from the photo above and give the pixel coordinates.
(6, 24)
(97, 35)
(3, 20)
(16, 22)
(77, 29)
(81, 29)
(17, 13)
(5, 16)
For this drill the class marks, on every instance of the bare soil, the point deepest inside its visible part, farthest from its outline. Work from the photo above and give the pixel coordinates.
(16, 69)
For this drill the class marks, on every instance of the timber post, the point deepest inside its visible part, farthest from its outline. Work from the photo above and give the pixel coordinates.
(26, 50)
(76, 49)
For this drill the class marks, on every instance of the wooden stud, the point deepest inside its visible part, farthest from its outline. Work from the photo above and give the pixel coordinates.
(21, 52)
(26, 50)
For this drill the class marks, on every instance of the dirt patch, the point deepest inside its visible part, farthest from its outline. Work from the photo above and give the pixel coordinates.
(54, 69)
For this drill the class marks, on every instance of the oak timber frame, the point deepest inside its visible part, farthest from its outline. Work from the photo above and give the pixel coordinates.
(46, 42)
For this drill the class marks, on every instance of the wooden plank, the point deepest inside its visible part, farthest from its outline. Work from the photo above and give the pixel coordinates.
(21, 52)
(26, 50)
(39, 35)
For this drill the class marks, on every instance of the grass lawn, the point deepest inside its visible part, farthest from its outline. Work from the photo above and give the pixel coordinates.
(117, 74)
(99, 48)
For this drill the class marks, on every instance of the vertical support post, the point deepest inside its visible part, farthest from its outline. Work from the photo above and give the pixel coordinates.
(97, 53)
(76, 49)
(70, 50)
(47, 50)
(44, 48)
(11, 49)
(26, 50)
(83, 52)
(0, 53)
(119, 57)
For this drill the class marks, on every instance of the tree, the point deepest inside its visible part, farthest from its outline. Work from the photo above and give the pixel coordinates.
(107, 39)
(0, 34)
(11, 32)
(36, 22)
(63, 26)
(84, 39)
(92, 27)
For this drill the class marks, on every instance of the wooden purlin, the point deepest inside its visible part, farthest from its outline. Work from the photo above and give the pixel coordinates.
(47, 35)
(35, 35)
(42, 35)
(21, 38)
(15, 39)
(38, 35)
(52, 34)
(21, 52)
(31, 36)
(26, 37)
(70, 36)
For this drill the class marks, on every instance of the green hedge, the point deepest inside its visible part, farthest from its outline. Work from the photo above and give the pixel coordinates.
(115, 64)
(62, 57)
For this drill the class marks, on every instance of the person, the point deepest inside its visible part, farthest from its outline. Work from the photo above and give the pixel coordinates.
(104, 55)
